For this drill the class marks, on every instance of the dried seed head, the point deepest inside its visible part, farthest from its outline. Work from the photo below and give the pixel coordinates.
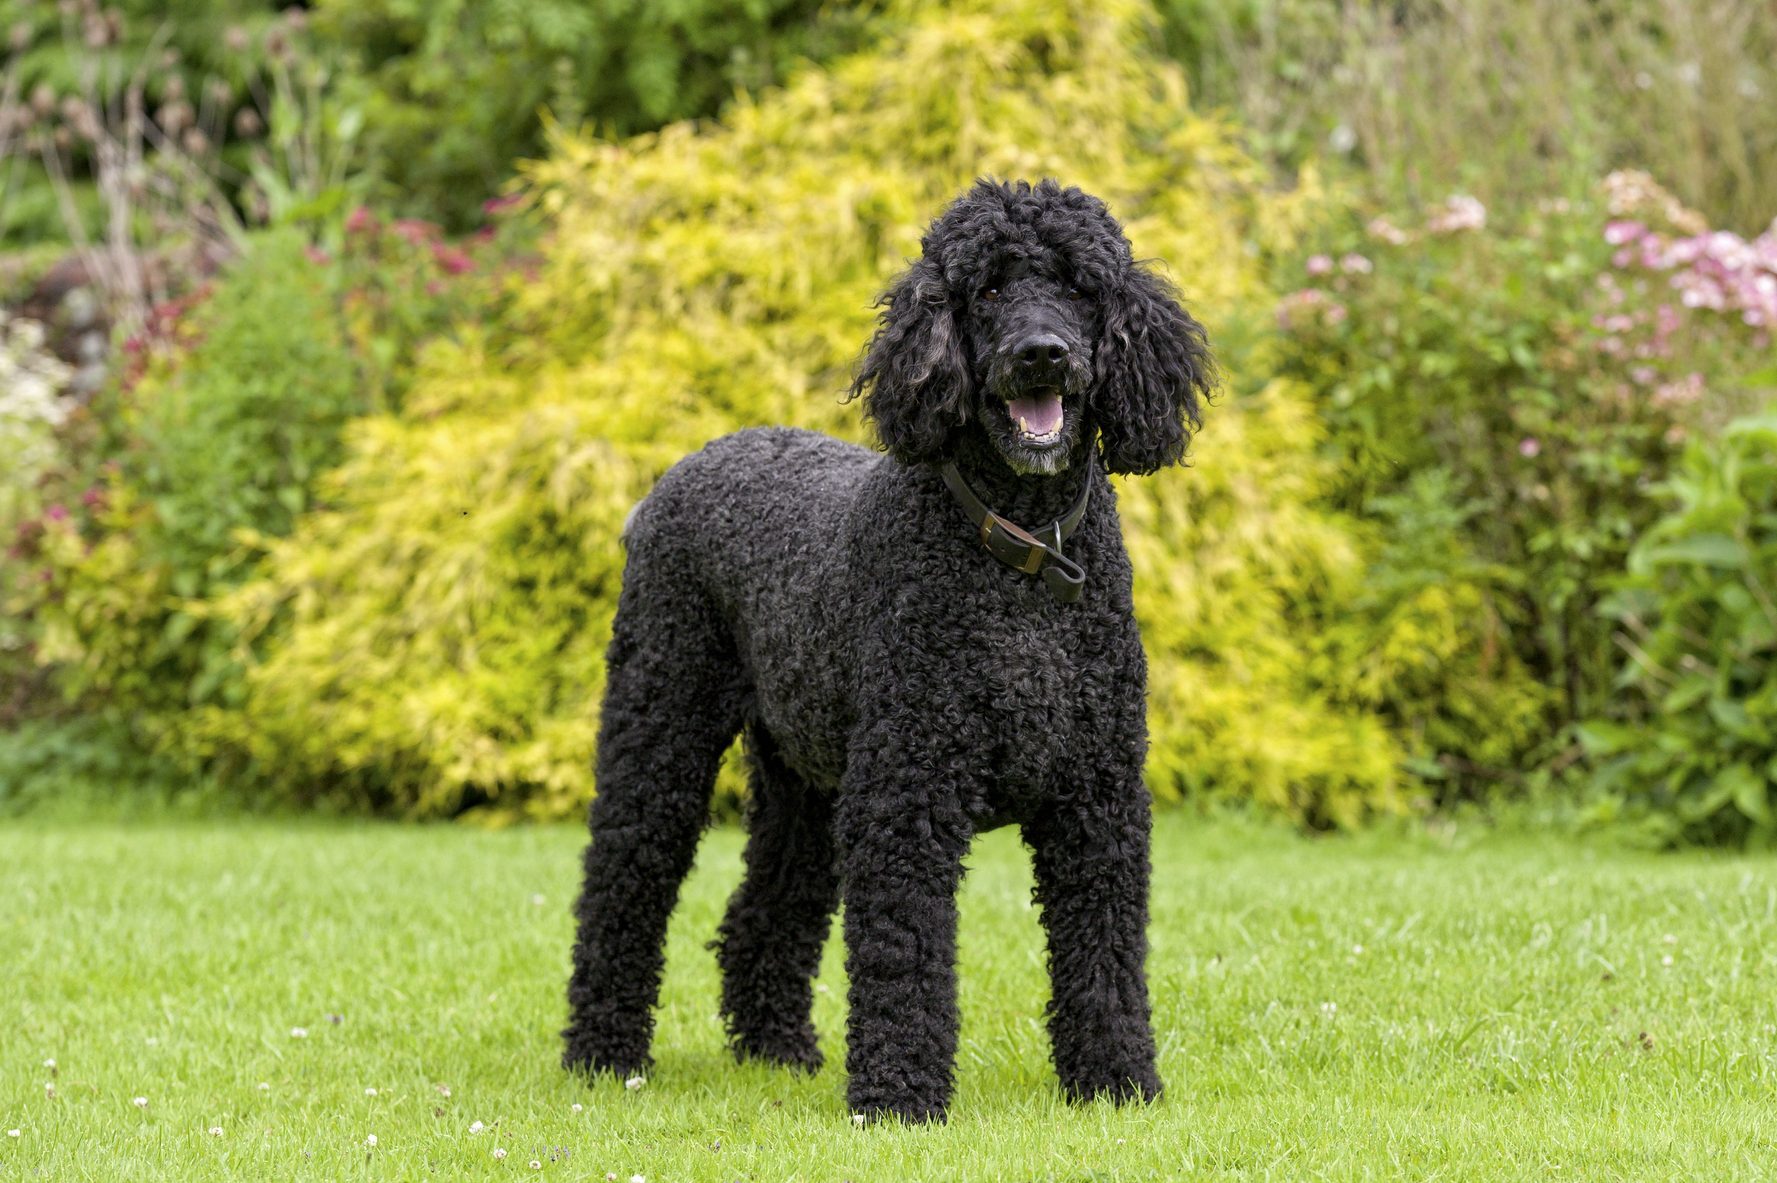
(174, 117)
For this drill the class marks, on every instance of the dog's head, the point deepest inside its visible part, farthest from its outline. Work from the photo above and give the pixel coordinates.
(1027, 319)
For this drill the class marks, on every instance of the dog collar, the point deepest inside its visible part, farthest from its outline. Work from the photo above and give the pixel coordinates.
(1034, 553)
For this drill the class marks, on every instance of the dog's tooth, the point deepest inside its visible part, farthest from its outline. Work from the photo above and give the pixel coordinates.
(1022, 425)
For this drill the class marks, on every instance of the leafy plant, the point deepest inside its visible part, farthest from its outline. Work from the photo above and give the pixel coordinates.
(1501, 401)
(1693, 752)
(231, 406)
(452, 92)
(429, 641)
(1468, 392)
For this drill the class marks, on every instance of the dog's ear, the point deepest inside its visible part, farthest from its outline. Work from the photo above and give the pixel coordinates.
(915, 377)
(1153, 371)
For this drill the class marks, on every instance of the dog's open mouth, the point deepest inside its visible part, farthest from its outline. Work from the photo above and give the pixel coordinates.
(1038, 416)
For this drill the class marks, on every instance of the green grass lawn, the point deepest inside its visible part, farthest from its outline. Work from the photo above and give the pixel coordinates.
(1377, 1008)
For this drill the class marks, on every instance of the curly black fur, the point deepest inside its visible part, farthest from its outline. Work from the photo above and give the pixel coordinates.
(899, 689)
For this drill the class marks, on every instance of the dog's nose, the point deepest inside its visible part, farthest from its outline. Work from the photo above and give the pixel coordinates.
(1044, 349)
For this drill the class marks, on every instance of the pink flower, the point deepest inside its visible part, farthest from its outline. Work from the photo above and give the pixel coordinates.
(1681, 393)
(1320, 264)
(56, 513)
(1460, 212)
(415, 230)
(495, 206)
(454, 261)
(1298, 309)
(360, 220)
(1620, 232)
(1356, 264)
(1384, 230)
(317, 256)
(1530, 447)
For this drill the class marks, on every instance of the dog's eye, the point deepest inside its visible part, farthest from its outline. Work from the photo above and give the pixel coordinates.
(1075, 294)
(990, 294)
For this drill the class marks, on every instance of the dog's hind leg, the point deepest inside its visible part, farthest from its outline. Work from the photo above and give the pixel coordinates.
(769, 945)
(674, 696)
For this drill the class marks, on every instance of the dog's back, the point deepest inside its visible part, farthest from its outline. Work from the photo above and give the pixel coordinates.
(755, 524)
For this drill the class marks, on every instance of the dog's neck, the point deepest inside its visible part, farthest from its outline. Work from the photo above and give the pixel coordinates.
(1031, 500)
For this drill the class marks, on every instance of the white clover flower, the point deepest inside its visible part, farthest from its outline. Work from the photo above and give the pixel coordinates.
(857, 1119)
(638, 1179)
(299, 1033)
(444, 1090)
(635, 1082)
(370, 1092)
(536, 1165)
(499, 1152)
(1666, 961)
(215, 1131)
(475, 1127)
(264, 1087)
(370, 1141)
(577, 1107)
(537, 900)
(15, 1133)
(50, 1064)
(140, 1102)
(1329, 1009)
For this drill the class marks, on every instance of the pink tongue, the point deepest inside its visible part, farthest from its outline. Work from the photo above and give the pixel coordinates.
(1041, 415)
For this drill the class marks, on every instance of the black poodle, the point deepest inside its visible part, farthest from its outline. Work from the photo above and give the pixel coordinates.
(918, 647)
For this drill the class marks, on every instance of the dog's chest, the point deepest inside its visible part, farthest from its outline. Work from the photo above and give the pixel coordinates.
(1026, 680)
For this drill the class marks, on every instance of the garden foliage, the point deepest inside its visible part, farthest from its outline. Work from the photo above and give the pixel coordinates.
(1500, 401)
(231, 406)
(1694, 755)
(345, 531)
(452, 90)
(431, 640)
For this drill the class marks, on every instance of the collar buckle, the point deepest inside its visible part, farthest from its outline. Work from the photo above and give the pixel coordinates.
(1033, 553)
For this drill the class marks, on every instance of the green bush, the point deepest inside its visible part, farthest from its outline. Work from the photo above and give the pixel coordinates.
(220, 434)
(429, 641)
(452, 92)
(1500, 401)
(1692, 754)
(230, 408)
(1502, 459)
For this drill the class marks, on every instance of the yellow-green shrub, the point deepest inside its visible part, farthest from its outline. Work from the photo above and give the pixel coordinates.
(431, 642)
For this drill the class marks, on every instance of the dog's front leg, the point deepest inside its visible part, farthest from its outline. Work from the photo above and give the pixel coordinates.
(1090, 855)
(902, 836)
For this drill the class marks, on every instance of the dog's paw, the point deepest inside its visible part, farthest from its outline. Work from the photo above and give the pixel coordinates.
(1118, 1088)
(875, 1102)
(905, 1113)
(593, 1057)
(796, 1053)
